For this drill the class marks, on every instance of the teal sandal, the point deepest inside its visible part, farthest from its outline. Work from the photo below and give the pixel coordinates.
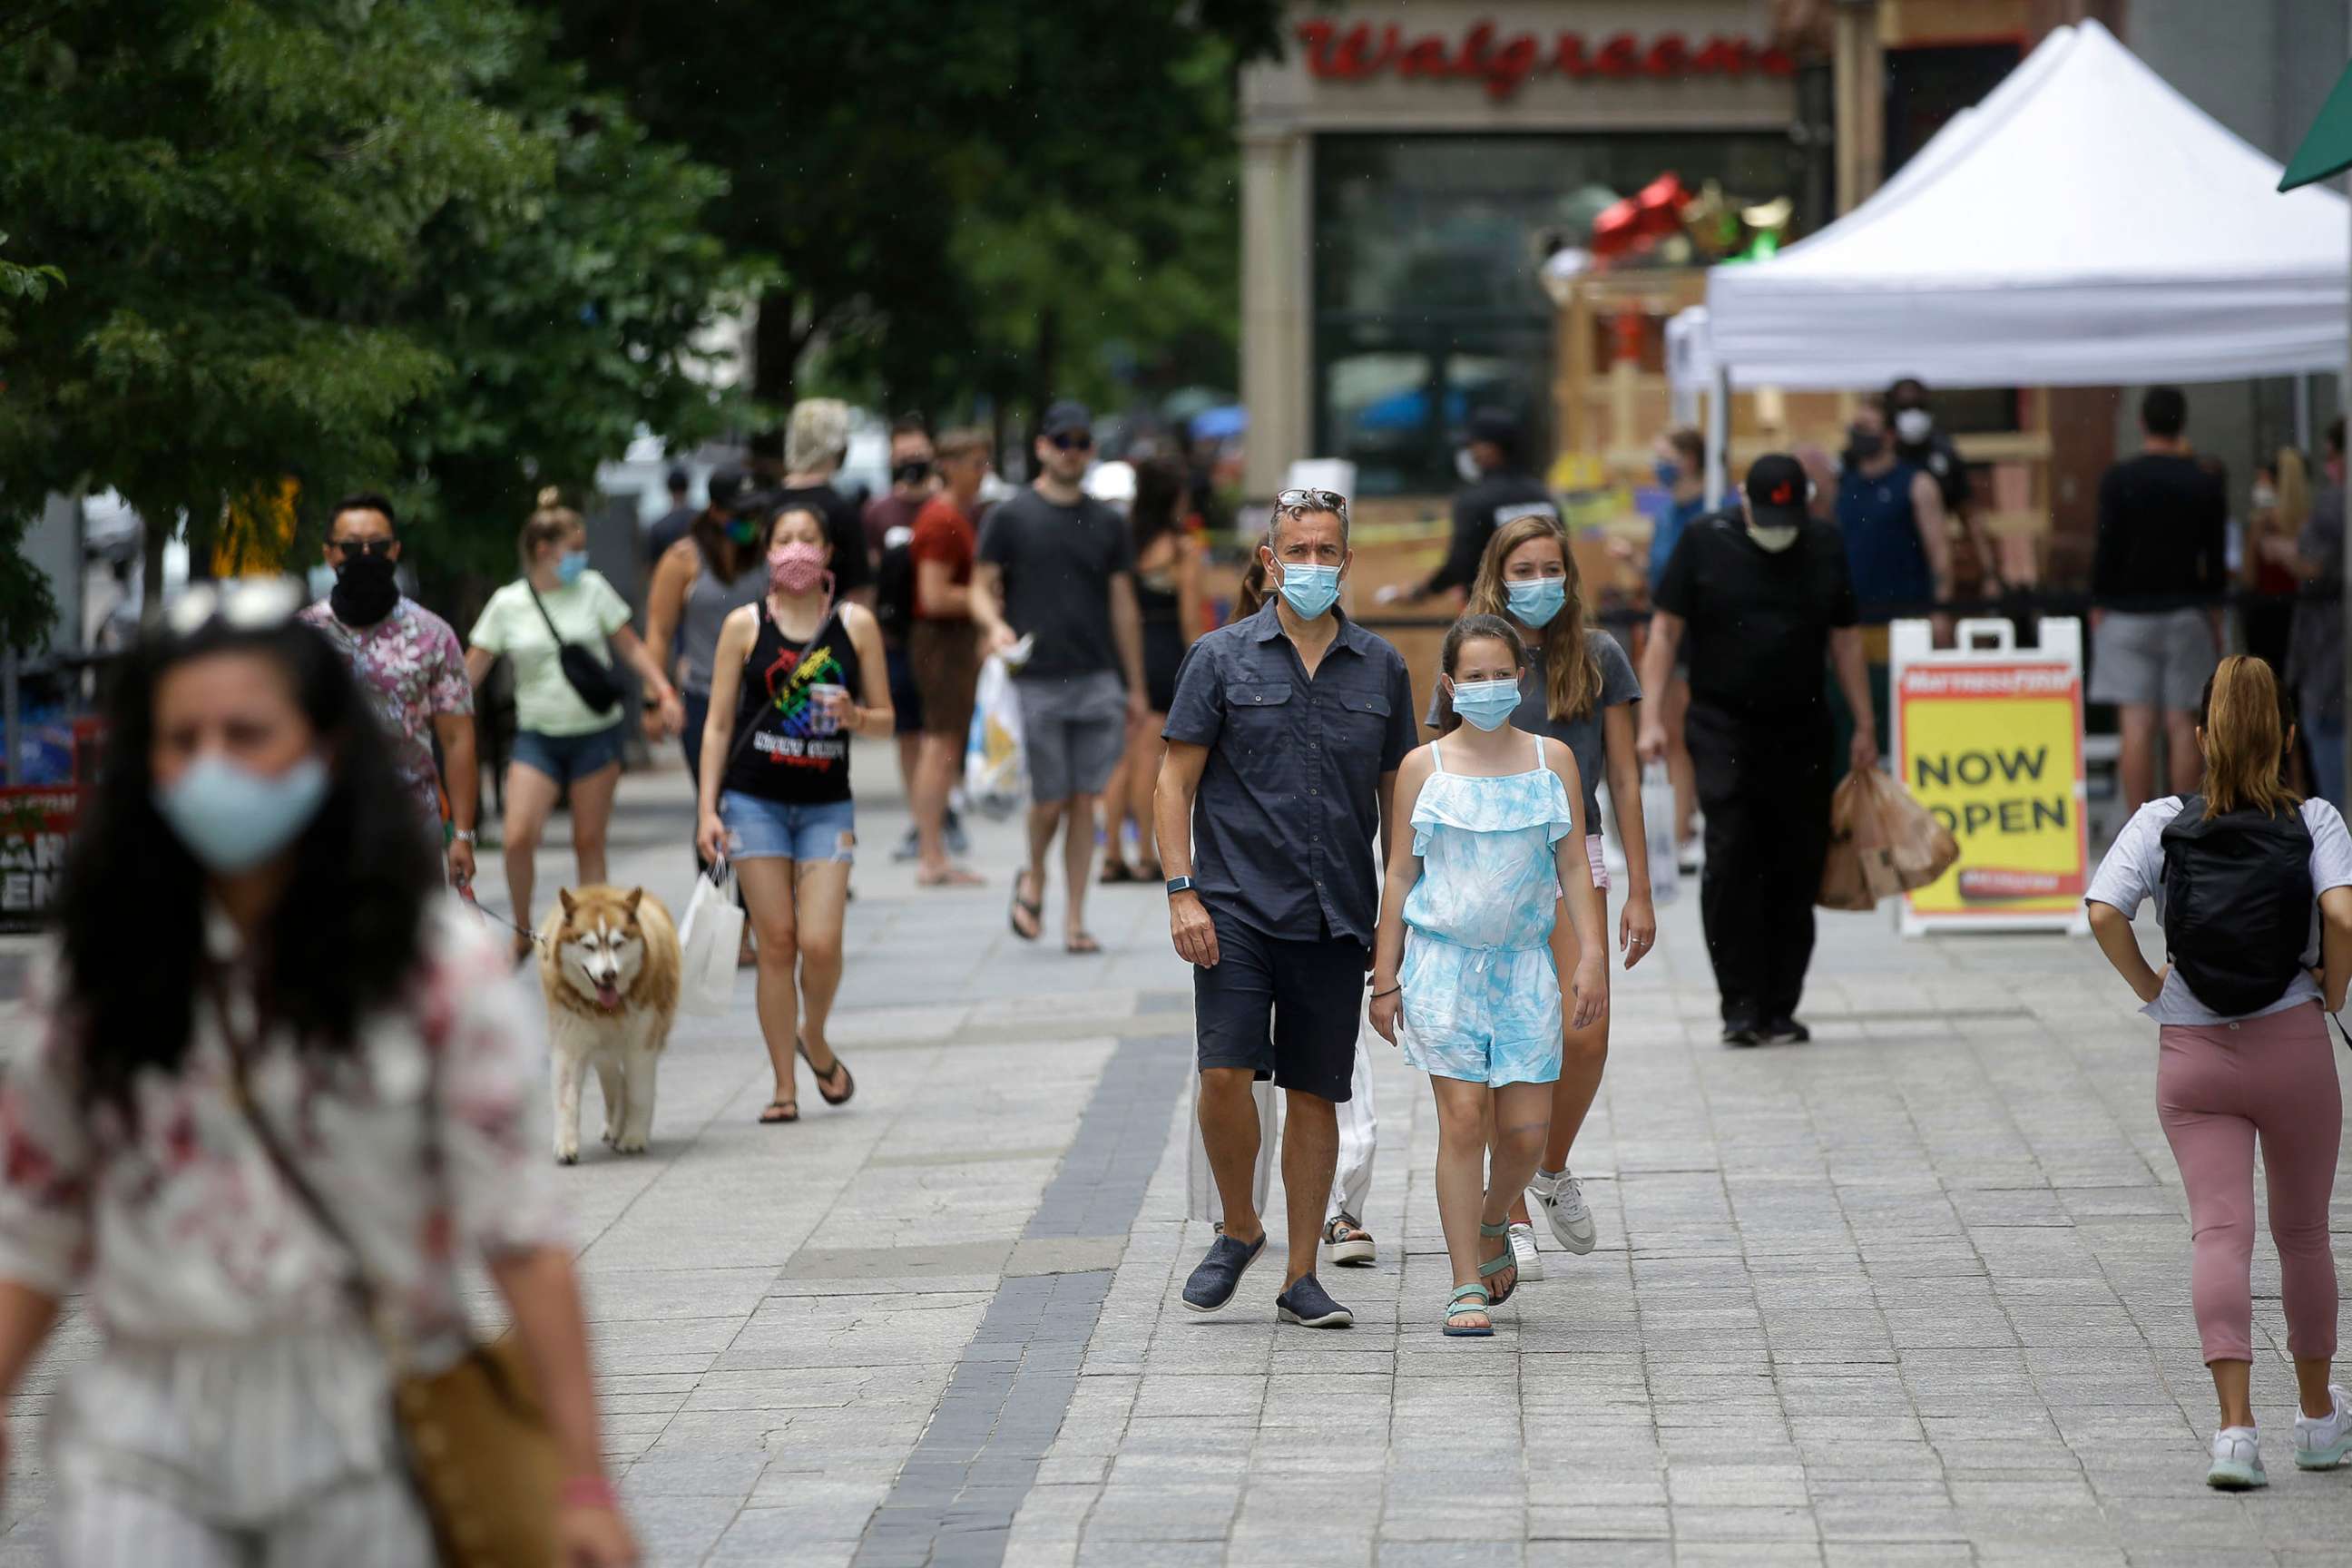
(1461, 1305)
(1493, 1267)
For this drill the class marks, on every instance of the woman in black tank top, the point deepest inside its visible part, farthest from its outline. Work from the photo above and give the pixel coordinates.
(794, 677)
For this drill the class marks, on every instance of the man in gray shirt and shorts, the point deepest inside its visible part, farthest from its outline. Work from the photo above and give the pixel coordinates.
(1059, 567)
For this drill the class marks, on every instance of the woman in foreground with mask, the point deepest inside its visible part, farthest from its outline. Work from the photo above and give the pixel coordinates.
(1470, 990)
(560, 740)
(795, 675)
(294, 983)
(1580, 691)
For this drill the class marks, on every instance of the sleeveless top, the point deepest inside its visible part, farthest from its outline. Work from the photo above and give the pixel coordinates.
(787, 761)
(1488, 876)
(1884, 555)
(708, 602)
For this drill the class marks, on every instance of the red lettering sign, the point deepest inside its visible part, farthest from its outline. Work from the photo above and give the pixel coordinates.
(1503, 63)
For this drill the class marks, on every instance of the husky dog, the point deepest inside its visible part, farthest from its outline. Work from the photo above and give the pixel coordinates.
(609, 964)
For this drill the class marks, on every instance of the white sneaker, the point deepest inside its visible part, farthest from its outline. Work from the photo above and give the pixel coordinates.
(1562, 1197)
(2237, 1460)
(1523, 1251)
(2326, 1442)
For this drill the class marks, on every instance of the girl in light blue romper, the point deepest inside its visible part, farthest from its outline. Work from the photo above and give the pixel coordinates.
(1463, 974)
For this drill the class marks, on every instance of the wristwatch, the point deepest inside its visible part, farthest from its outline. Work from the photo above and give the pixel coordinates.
(1179, 885)
(462, 835)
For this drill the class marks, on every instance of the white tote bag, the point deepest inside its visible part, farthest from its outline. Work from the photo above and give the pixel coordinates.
(707, 942)
(996, 774)
(1658, 828)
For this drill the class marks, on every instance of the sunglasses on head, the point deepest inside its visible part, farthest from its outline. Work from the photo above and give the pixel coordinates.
(241, 604)
(1072, 440)
(1297, 502)
(361, 546)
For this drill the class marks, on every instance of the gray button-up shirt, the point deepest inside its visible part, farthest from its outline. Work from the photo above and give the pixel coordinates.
(1288, 816)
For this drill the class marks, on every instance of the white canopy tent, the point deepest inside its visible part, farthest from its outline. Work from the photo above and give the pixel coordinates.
(2084, 225)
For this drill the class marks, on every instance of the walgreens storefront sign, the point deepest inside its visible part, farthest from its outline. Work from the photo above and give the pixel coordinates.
(1502, 62)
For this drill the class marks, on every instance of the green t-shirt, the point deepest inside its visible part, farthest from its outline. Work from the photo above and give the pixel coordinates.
(587, 613)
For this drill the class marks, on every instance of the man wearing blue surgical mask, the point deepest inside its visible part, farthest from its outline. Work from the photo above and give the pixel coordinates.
(1286, 733)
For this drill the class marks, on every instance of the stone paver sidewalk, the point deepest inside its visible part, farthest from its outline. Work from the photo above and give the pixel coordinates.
(1916, 1293)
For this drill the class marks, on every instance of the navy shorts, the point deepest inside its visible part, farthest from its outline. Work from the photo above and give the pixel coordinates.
(906, 697)
(1286, 1010)
(565, 758)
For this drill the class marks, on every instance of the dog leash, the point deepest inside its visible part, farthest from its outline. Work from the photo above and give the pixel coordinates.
(537, 940)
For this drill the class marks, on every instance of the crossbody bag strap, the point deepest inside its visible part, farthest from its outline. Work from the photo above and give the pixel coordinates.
(543, 616)
(365, 1299)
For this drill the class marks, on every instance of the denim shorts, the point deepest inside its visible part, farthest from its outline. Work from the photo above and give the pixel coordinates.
(566, 758)
(761, 830)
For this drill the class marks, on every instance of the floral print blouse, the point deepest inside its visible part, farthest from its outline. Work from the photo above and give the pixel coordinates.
(414, 671)
(181, 1230)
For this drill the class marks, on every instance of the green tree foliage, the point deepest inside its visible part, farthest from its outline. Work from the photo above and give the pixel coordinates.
(344, 241)
(966, 199)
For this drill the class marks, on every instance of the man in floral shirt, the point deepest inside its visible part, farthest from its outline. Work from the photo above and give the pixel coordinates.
(410, 664)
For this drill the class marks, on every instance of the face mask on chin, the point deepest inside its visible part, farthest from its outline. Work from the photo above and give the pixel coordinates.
(1773, 540)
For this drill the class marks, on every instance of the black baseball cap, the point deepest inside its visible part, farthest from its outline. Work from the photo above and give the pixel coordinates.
(1780, 491)
(1495, 425)
(1064, 417)
(725, 484)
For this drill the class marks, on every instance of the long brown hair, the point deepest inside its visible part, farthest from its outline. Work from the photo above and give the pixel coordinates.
(1249, 597)
(2243, 733)
(1571, 675)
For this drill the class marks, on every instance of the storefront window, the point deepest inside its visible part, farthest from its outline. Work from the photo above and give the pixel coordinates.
(1426, 304)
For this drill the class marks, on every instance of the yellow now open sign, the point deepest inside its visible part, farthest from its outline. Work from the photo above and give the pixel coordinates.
(1988, 736)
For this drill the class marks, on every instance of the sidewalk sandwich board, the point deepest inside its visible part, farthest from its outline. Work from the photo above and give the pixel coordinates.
(1988, 736)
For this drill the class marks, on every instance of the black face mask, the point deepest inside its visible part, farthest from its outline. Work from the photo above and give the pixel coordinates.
(1862, 445)
(364, 591)
(914, 471)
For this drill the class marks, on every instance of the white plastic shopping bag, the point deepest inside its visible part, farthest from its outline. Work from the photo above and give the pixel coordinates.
(1658, 827)
(708, 944)
(996, 774)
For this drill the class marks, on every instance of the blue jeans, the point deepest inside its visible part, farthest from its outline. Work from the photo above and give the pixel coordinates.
(2325, 742)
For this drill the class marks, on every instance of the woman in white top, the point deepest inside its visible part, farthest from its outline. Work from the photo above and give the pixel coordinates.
(251, 953)
(560, 740)
(2260, 917)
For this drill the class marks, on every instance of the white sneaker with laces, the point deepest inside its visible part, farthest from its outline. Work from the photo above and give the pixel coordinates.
(1524, 1253)
(2326, 1442)
(1562, 1197)
(2237, 1461)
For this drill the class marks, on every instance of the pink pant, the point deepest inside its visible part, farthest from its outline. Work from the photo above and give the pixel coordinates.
(2217, 1088)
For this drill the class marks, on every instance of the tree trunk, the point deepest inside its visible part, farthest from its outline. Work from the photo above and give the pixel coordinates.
(1042, 363)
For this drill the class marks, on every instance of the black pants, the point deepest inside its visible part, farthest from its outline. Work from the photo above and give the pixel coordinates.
(1765, 786)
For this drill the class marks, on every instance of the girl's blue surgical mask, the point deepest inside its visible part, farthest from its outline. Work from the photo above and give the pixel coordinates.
(570, 565)
(1534, 601)
(1669, 473)
(1488, 704)
(1309, 590)
(232, 819)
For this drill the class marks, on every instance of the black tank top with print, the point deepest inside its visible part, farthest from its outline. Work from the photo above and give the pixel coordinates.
(786, 759)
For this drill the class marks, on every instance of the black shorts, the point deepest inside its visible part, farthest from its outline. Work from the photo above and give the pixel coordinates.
(1286, 1010)
(906, 698)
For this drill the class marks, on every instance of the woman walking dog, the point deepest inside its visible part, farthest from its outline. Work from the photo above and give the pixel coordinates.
(794, 676)
(2254, 891)
(1463, 976)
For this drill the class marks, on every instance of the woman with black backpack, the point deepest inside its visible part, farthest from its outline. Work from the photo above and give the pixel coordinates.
(2255, 898)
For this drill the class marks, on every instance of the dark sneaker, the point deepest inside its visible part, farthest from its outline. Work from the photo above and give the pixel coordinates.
(959, 841)
(1740, 1032)
(1212, 1284)
(1786, 1032)
(1308, 1304)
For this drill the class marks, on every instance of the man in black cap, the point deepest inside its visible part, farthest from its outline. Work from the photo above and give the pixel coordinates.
(1056, 571)
(1498, 488)
(1761, 591)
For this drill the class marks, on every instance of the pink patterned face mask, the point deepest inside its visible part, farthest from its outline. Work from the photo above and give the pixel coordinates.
(796, 568)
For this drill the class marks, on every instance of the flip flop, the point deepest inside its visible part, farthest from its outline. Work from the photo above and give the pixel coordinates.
(1081, 944)
(953, 877)
(780, 1111)
(1115, 873)
(1021, 906)
(840, 1070)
